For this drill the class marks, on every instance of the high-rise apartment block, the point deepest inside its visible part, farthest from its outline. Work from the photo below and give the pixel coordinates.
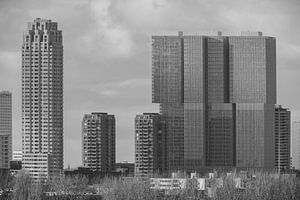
(217, 95)
(98, 142)
(295, 150)
(16, 162)
(282, 138)
(5, 128)
(149, 139)
(17, 155)
(42, 99)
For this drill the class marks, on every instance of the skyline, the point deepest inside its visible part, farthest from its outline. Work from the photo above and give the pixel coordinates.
(95, 78)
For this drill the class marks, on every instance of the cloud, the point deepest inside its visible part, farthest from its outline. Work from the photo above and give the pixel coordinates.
(134, 83)
(10, 60)
(117, 88)
(113, 39)
(109, 92)
(126, 84)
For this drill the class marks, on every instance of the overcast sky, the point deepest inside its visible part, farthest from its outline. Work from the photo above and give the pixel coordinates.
(107, 57)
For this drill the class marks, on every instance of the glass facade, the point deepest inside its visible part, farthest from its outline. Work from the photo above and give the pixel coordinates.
(173, 114)
(5, 129)
(167, 82)
(166, 69)
(252, 63)
(250, 130)
(194, 71)
(216, 67)
(208, 117)
(194, 97)
(194, 134)
(252, 72)
(220, 137)
(217, 94)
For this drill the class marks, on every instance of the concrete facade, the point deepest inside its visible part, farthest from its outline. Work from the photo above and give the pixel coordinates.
(42, 99)
(98, 142)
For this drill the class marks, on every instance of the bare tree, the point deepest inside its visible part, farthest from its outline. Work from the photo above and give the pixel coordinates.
(22, 186)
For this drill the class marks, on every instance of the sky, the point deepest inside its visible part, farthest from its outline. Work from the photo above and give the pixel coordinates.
(107, 53)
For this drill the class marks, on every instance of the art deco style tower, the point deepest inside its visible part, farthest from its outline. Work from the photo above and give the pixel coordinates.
(42, 99)
(217, 95)
(5, 129)
(98, 142)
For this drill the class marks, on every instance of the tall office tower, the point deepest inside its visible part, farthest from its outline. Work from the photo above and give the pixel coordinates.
(209, 117)
(42, 99)
(5, 129)
(252, 61)
(167, 90)
(98, 142)
(149, 139)
(282, 138)
(217, 95)
(295, 149)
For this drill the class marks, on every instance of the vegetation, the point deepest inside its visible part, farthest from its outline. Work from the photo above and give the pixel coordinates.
(25, 189)
(264, 186)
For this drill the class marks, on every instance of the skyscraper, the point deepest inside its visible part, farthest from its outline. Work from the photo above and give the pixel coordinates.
(42, 99)
(282, 138)
(167, 90)
(252, 61)
(5, 128)
(217, 95)
(98, 142)
(295, 150)
(149, 139)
